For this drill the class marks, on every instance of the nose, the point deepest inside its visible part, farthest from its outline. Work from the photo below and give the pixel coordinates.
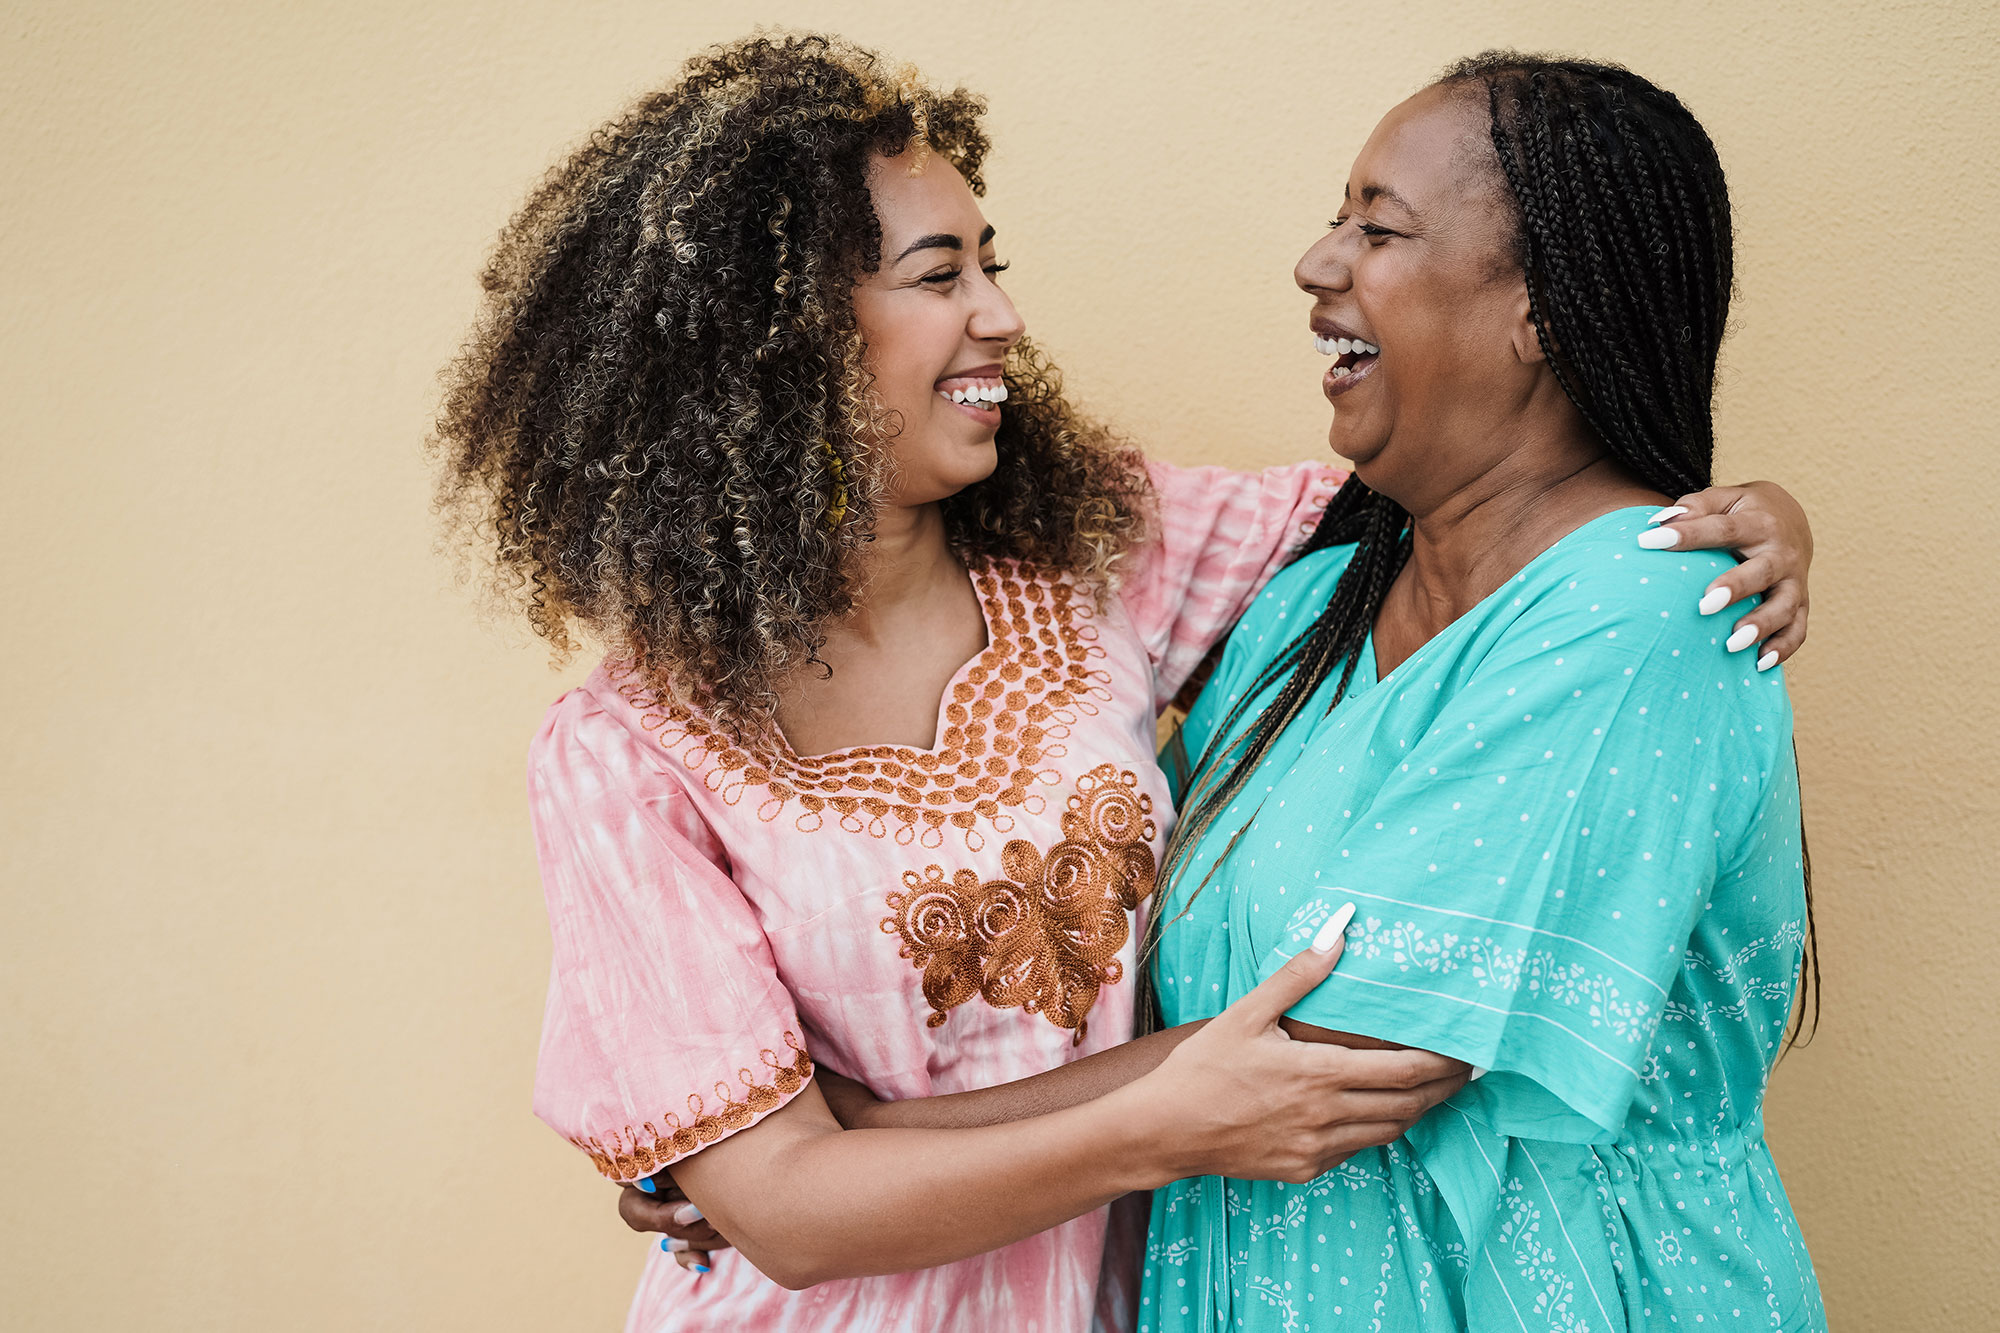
(1323, 267)
(994, 318)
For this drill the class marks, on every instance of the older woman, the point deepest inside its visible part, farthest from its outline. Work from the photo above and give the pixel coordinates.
(1480, 715)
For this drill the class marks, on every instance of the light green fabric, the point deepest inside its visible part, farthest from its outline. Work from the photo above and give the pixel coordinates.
(1570, 824)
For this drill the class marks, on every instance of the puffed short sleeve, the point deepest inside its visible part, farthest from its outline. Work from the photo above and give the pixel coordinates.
(1221, 537)
(667, 1027)
(1534, 849)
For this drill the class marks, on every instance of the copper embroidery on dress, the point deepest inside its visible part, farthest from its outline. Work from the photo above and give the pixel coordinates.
(1008, 714)
(634, 1153)
(1046, 938)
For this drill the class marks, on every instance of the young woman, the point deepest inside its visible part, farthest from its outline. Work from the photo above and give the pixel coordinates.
(868, 770)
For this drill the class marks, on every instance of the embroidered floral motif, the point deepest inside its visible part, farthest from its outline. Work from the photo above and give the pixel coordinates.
(630, 1154)
(1046, 938)
(1008, 714)
(1593, 996)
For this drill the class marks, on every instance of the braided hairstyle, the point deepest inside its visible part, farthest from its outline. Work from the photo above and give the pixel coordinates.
(661, 430)
(1623, 236)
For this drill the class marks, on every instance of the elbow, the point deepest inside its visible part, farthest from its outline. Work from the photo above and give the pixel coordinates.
(791, 1266)
(793, 1279)
(798, 1272)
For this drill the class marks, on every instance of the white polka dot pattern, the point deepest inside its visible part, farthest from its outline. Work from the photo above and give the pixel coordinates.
(1570, 823)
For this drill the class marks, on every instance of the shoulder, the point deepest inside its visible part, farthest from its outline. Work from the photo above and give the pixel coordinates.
(609, 725)
(1596, 604)
(1599, 575)
(1604, 555)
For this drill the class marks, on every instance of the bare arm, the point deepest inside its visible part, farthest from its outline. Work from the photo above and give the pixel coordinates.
(1073, 1084)
(807, 1201)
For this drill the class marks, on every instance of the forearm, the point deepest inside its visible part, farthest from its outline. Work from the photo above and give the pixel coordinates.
(822, 1203)
(1071, 1085)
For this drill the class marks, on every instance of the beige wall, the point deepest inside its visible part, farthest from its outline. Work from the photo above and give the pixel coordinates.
(273, 950)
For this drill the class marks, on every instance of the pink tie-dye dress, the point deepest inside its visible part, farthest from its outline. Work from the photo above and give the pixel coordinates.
(930, 921)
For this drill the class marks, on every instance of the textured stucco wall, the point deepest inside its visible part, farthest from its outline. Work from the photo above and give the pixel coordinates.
(274, 949)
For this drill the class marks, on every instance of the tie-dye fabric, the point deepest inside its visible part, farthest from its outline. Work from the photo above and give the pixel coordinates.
(1570, 824)
(931, 920)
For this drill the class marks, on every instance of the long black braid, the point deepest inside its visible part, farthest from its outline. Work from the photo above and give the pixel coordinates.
(1623, 233)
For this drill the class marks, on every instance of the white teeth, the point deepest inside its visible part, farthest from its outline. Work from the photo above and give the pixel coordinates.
(1324, 346)
(1342, 346)
(976, 394)
(1341, 372)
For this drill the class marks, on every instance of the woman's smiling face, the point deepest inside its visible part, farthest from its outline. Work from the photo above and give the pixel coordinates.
(937, 329)
(1420, 266)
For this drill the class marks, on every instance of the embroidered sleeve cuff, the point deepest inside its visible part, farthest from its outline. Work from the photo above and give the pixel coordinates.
(633, 1153)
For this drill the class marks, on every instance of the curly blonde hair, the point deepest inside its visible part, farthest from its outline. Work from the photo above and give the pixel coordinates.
(660, 427)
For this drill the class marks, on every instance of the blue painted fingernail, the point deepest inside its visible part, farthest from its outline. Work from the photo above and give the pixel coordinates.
(664, 1245)
(646, 1185)
(700, 1268)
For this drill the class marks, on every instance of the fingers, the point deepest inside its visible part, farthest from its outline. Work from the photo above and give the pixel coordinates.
(1265, 1005)
(1392, 1070)
(644, 1212)
(695, 1261)
(673, 1217)
(1780, 646)
(1699, 504)
(1741, 530)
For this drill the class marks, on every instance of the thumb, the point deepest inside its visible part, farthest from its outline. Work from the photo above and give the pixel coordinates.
(1264, 1006)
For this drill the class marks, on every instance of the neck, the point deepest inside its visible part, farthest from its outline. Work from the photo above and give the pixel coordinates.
(905, 563)
(1469, 541)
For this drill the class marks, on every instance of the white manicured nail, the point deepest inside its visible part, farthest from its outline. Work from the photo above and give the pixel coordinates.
(687, 1215)
(1335, 927)
(1714, 600)
(1768, 660)
(1659, 539)
(1671, 511)
(1477, 1074)
(676, 1246)
(1744, 636)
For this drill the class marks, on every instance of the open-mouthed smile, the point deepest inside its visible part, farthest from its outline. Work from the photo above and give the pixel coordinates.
(977, 392)
(1354, 356)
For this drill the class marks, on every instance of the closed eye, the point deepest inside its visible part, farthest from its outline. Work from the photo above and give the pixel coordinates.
(1368, 229)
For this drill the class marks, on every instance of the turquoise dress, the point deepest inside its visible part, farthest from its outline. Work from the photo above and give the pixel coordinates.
(1570, 824)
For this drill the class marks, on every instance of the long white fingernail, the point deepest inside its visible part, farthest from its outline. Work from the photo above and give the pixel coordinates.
(1477, 1074)
(1671, 511)
(675, 1246)
(1335, 927)
(687, 1215)
(1744, 636)
(1714, 600)
(1768, 660)
(1659, 539)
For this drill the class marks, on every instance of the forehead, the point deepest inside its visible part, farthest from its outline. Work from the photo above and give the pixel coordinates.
(935, 199)
(1432, 148)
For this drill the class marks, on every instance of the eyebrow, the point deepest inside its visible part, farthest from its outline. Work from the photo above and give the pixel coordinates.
(1370, 193)
(942, 240)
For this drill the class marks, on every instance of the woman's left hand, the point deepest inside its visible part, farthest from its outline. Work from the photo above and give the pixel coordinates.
(1764, 525)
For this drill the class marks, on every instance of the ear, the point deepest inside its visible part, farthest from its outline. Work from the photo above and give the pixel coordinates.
(1527, 344)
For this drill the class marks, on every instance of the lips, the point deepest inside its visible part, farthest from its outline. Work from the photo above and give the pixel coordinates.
(978, 391)
(1354, 356)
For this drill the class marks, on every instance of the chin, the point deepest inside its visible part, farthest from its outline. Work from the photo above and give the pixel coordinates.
(944, 480)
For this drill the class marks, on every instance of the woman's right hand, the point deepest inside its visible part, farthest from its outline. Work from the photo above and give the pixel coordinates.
(667, 1211)
(1243, 1099)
